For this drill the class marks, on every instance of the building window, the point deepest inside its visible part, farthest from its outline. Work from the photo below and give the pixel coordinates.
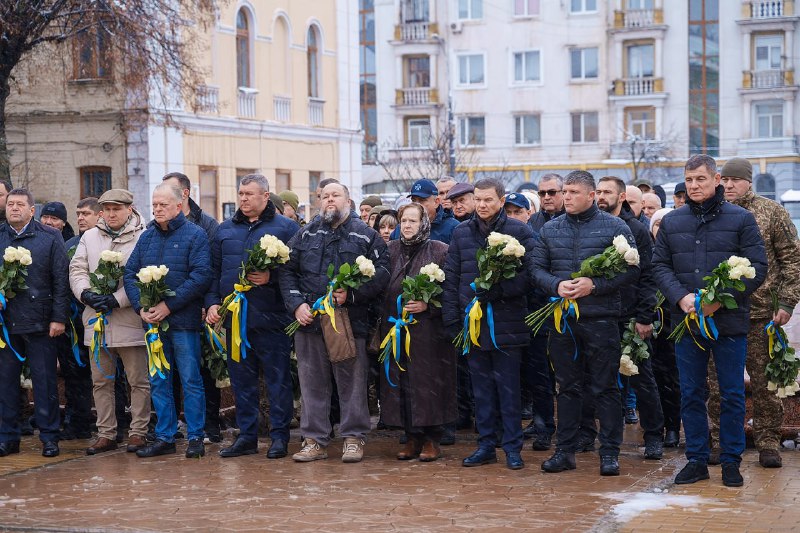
(312, 55)
(314, 177)
(585, 127)
(584, 63)
(704, 77)
(470, 9)
(526, 8)
(472, 131)
(583, 6)
(639, 4)
(242, 49)
(527, 130)
(367, 82)
(418, 132)
(470, 69)
(283, 180)
(640, 60)
(242, 172)
(769, 120)
(769, 49)
(415, 11)
(640, 122)
(208, 191)
(418, 71)
(527, 67)
(92, 54)
(765, 185)
(95, 181)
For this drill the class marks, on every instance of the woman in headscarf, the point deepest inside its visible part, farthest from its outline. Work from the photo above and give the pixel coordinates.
(424, 395)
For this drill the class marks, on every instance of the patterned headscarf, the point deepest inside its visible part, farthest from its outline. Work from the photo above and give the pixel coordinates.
(424, 232)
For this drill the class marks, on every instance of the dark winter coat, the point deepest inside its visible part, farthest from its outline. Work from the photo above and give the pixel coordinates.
(431, 372)
(184, 249)
(442, 226)
(47, 297)
(232, 240)
(316, 246)
(693, 240)
(639, 300)
(540, 218)
(508, 297)
(569, 239)
(200, 218)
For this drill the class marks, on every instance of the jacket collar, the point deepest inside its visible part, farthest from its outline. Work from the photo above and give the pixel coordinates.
(133, 224)
(496, 224)
(709, 209)
(746, 201)
(548, 217)
(626, 213)
(174, 224)
(584, 216)
(266, 215)
(195, 212)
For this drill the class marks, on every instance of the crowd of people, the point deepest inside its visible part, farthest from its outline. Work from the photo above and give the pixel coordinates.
(563, 379)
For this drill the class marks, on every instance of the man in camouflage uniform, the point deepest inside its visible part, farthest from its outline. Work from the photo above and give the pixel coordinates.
(783, 279)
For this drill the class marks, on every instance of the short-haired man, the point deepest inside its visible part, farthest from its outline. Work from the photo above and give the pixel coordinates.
(118, 230)
(634, 197)
(783, 280)
(173, 241)
(266, 318)
(291, 206)
(88, 214)
(54, 214)
(679, 195)
(425, 193)
(35, 317)
(191, 210)
(690, 244)
(333, 238)
(495, 364)
(462, 201)
(366, 206)
(444, 184)
(517, 207)
(551, 195)
(650, 204)
(565, 242)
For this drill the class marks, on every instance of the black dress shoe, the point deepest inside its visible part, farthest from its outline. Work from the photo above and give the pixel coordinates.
(514, 461)
(196, 449)
(159, 447)
(482, 456)
(672, 439)
(559, 462)
(731, 477)
(240, 447)
(9, 447)
(277, 449)
(50, 449)
(609, 465)
(693, 472)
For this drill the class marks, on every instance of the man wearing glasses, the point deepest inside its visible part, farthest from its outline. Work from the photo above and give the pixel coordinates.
(552, 199)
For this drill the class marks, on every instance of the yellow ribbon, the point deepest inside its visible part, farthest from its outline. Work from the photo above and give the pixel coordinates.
(98, 329)
(392, 336)
(235, 307)
(687, 320)
(562, 307)
(475, 315)
(156, 359)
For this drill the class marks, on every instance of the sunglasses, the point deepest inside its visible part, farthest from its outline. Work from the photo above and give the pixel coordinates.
(551, 192)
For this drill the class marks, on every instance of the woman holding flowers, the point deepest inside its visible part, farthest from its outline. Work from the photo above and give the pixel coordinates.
(418, 388)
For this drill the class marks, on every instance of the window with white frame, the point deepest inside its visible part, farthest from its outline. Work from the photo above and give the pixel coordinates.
(639, 4)
(769, 49)
(527, 130)
(526, 8)
(472, 131)
(584, 64)
(418, 132)
(641, 60)
(585, 127)
(527, 66)
(582, 6)
(471, 69)
(470, 9)
(640, 122)
(769, 120)
(415, 11)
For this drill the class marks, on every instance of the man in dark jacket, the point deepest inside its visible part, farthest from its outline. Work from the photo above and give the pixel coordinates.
(35, 318)
(333, 238)
(266, 318)
(495, 364)
(591, 343)
(638, 302)
(425, 193)
(54, 214)
(183, 248)
(462, 200)
(551, 194)
(691, 242)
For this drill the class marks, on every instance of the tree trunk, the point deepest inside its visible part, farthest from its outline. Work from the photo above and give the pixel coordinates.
(5, 155)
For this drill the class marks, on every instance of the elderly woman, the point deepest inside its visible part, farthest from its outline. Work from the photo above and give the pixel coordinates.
(424, 397)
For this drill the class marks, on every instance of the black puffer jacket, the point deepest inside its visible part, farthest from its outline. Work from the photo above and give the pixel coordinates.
(540, 218)
(200, 218)
(508, 298)
(693, 240)
(568, 240)
(639, 300)
(47, 297)
(305, 277)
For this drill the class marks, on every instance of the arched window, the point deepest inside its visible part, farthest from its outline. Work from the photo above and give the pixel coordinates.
(242, 49)
(312, 54)
(765, 185)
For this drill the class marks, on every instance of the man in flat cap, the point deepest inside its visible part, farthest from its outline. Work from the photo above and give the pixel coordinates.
(462, 201)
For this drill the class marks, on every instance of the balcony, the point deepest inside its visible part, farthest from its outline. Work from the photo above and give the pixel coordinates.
(638, 18)
(767, 79)
(638, 86)
(282, 108)
(756, 147)
(418, 96)
(767, 9)
(247, 102)
(207, 99)
(415, 31)
(316, 109)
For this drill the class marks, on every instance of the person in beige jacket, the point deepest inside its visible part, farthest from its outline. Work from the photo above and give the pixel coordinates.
(118, 231)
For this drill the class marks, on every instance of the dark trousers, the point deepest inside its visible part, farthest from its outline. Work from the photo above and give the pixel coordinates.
(540, 381)
(212, 395)
(495, 384)
(269, 354)
(40, 351)
(665, 370)
(598, 351)
(464, 398)
(651, 418)
(77, 384)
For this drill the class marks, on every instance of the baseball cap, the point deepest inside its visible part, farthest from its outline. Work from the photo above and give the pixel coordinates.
(423, 189)
(518, 200)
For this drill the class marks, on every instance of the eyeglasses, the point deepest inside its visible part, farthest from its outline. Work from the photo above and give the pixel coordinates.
(551, 192)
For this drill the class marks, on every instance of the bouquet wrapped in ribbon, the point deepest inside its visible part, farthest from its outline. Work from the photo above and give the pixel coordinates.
(104, 281)
(612, 261)
(350, 276)
(727, 275)
(12, 278)
(214, 357)
(784, 365)
(153, 289)
(424, 287)
(500, 260)
(634, 350)
(266, 255)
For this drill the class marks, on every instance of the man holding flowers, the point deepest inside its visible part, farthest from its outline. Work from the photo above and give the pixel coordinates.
(255, 224)
(112, 240)
(34, 317)
(692, 242)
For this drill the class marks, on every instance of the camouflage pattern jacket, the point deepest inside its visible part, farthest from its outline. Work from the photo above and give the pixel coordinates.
(783, 252)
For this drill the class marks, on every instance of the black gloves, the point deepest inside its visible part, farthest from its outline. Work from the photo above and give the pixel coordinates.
(102, 303)
(91, 299)
(492, 295)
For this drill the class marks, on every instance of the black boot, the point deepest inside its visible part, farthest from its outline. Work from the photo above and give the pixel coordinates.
(559, 462)
(609, 465)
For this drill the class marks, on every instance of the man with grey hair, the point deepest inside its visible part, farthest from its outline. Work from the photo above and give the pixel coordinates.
(333, 238)
(443, 185)
(650, 204)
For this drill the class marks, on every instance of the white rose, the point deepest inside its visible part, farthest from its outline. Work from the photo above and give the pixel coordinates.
(735, 260)
(271, 250)
(439, 275)
(621, 244)
(632, 256)
(781, 392)
(736, 272)
(107, 255)
(496, 238)
(361, 259)
(26, 260)
(163, 269)
(749, 272)
(155, 273)
(145, 275)
(771, 386)
(367, 268)
(10, 254)
(283, 251)
(266, 240)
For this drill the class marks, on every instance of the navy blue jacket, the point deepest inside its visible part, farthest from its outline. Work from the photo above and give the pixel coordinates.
(441, 227)
(199, 218)
(508, 297)
(569, 239)
(232, 240)
(184, 249)
(693, 240)
(639, 300)
(540, 218)
(47, 297)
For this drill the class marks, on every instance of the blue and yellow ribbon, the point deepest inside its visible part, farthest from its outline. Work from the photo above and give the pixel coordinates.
(5, 341)
(565, 308)
(99, 323)
(156, 358)
(775, 333)
(706, 325)
(215, 340)
(72, 332)
(393, 340)
(324, 306)
(238, 309)
(472, 323)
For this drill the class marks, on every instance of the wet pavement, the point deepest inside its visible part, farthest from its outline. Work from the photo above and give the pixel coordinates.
(119, 492)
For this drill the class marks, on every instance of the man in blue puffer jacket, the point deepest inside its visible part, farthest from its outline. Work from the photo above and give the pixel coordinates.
(173, 241)
(693, 241)
(266, 318)
(591, 342)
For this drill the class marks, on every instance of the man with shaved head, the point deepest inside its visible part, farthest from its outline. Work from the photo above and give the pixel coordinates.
(650, 204)
(633, 195)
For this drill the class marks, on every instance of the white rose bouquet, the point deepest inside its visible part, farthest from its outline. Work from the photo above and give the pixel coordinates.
(153, 289)
(784, 366)
(110, 269)
(634, 350)
(425, 286)
(13, 272)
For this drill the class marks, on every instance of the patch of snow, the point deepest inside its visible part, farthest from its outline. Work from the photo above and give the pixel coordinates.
(637, 503)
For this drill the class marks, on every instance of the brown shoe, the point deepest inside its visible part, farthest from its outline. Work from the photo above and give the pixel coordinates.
(135, 443)
(411, 449)
(430, 451)
(101, 445)
(770, 459)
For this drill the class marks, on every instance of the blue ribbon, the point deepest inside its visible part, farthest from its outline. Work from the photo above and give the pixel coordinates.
(398, 326)
(318, 305)
(243, 325)
(97, 345)
(698, 307)
(489, 322)
(151, 338)
(72, 333)
(565, 323)
(4, 303)
(777, 330)
(214, 341)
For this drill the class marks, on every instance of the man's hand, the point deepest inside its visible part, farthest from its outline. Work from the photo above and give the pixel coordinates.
(575, 288)
(156, 314)
(687, 303)
(414, 306)
(340, 296)
(56, 329)
(258, 278)
(212, 315)
(303, 314)
(644, 330)
(781, 317)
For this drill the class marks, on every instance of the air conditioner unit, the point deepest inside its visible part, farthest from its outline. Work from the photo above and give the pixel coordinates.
(456, 27)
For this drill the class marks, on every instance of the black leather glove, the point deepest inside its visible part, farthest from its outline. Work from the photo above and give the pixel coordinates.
(91, 299)
(494, 293)
(106, 302)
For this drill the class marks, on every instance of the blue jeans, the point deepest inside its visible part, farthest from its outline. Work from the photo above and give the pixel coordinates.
(181, 347)
(729, 356)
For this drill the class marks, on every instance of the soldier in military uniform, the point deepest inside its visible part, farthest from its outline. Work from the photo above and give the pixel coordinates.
(783, 279)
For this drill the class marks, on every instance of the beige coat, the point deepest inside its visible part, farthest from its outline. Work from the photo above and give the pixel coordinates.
(124, 325)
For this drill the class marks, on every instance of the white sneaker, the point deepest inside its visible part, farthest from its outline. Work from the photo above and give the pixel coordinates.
(311, 451)
(353, 450)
